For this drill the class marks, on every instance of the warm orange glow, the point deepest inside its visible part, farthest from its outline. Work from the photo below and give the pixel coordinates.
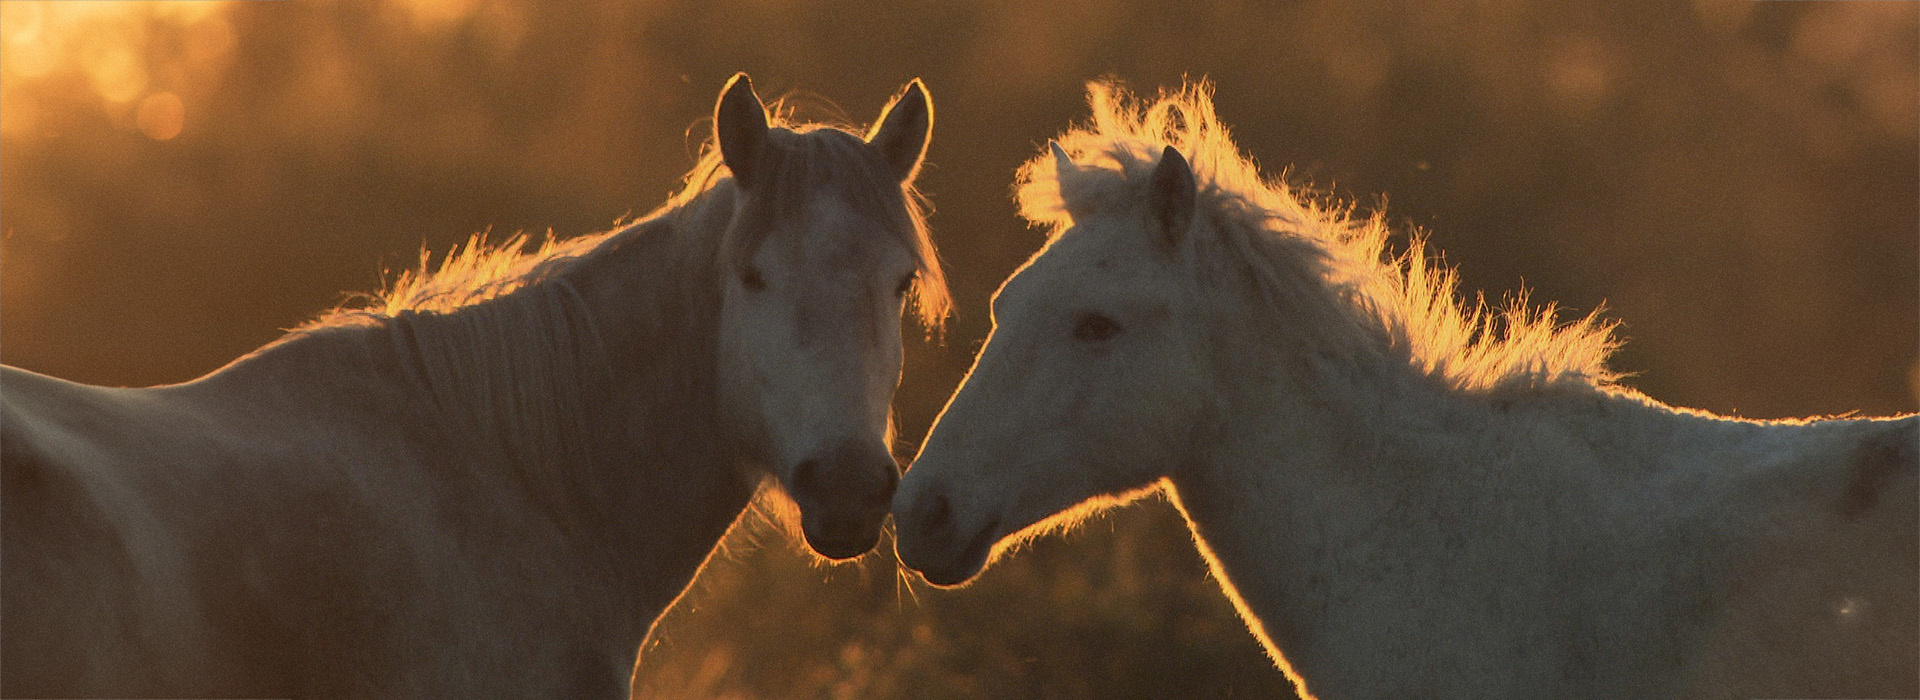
(431, 13)
(108, 46)
(1734, 178)
(161, 116)
(19, 113)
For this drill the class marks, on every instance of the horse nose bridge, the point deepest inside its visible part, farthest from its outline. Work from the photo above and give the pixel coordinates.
(852, 471)
(923, 510)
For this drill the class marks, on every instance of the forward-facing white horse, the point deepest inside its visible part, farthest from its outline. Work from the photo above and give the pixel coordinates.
(1404, 498)
(492, 483)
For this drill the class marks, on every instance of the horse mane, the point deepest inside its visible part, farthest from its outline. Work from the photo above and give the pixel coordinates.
(806, 157)
(504, 340)
(1299, 248)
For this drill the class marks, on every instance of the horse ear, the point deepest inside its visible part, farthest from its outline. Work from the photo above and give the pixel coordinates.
(1172, 196)
(1062, 163)
(903, 130)
(740, 123)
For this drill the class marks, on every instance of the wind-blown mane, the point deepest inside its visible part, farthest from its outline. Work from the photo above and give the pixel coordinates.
(1298, 248)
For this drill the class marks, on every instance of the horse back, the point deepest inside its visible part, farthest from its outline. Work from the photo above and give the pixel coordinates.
(1820, 594)
(1884, 468)
(96, 589)
(208, 540)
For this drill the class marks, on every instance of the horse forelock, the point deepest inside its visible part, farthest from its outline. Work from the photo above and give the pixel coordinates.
(1302, 247)
(808, 163)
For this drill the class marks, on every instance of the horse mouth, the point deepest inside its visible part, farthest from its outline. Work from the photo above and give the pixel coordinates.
(839, 535)
(968, 562)
(841, 548)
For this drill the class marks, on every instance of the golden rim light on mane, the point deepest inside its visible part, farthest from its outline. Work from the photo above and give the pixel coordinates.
(1413, 300)
(479, 269)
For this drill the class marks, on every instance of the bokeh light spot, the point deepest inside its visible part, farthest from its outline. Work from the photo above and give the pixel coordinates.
(161, 116)
(116, 73)
(1578, 73)
(24, 42)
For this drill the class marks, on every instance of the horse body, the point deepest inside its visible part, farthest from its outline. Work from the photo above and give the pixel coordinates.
(1403, 497)
(278, 530)
(1580, 545)
(493, 485)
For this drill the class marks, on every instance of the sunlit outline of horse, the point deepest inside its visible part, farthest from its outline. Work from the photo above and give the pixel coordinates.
(1402, 496)
(491, 482)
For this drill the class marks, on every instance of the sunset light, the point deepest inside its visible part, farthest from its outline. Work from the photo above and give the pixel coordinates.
(134, 56)
(1311, 291)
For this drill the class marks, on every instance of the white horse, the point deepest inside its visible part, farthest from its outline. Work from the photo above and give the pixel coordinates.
(1404, 498)
(493, 482)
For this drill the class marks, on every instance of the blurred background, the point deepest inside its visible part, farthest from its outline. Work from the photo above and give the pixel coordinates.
(1738, 181)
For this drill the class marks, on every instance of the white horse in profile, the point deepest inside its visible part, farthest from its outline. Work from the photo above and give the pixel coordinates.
(491, 483)
(1403, 497)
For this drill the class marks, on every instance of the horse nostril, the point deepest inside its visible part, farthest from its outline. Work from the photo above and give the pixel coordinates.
(804, 475)
(883, 497)
(939, 513)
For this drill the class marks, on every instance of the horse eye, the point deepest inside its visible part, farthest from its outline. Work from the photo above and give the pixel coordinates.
(750, 278)
(906, 284)
(1094, 328)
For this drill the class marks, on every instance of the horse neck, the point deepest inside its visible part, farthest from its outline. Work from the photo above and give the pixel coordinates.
(1358, 511)
(583, 399)
(668, 484)
(1267, 493)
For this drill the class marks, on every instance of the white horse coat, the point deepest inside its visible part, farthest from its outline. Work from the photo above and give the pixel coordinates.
(493, 484)
(1404, 498)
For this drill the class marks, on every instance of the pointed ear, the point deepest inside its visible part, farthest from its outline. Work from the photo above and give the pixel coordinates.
(1062, 163)
(903, 130)
(740, 123)
(1172, 197)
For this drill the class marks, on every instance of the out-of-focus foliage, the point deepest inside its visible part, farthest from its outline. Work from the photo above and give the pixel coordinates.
(1737, 180)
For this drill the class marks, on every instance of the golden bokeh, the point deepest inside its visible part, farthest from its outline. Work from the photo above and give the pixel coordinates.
(161, 116)
(1735, 180)
(107, 46)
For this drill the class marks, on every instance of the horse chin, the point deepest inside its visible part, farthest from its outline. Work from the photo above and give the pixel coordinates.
(963, 567)
(950, 577)
(842, 542)
(843, 493)
(839, 549)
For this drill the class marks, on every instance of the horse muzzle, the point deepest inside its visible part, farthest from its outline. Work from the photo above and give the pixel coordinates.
(930, 542)
(844, 494)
